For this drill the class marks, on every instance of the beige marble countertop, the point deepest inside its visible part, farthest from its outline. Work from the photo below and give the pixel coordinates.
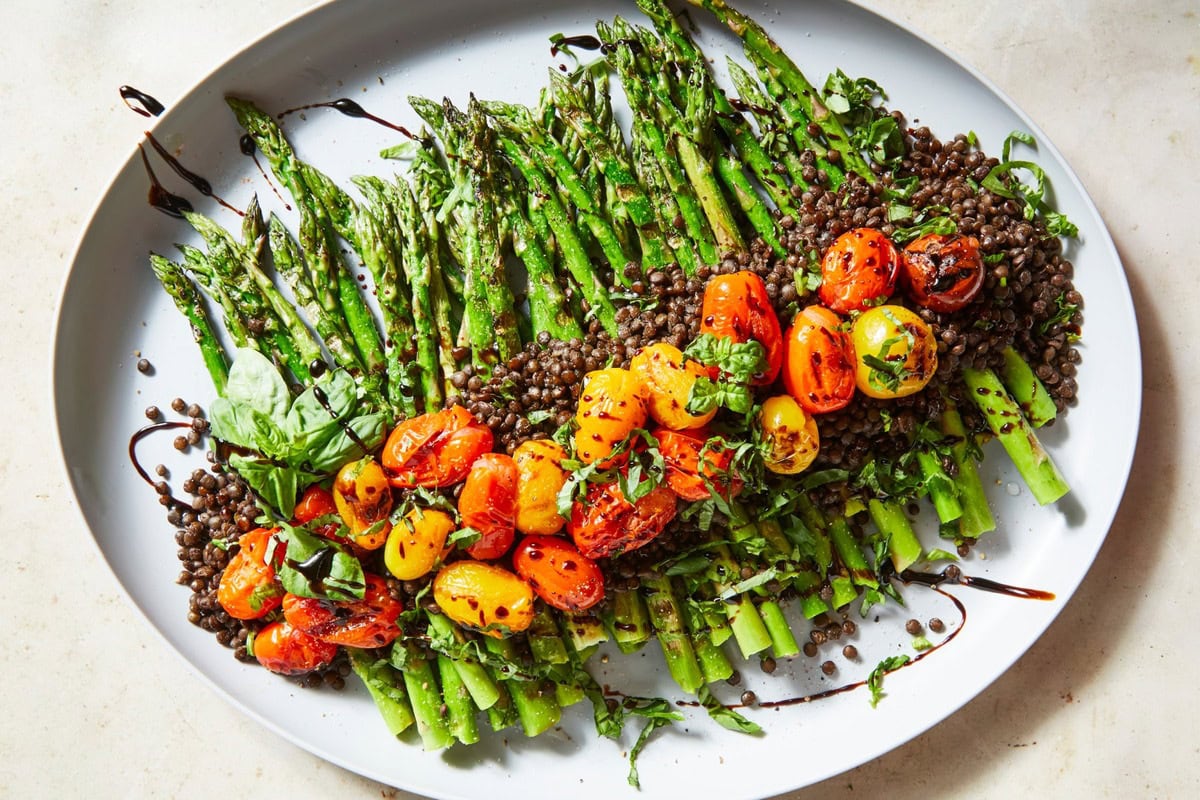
(1105, 704)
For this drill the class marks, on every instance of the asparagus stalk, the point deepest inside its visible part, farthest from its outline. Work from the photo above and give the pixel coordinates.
(1004, 417)
(942, 490)
(714, 664)
(630, 620)
(667, 621)
(425, 696)
(976, 519)
(188, 301)
(460, 710)
(474, 676)
(1029, 392)
(534, 700)
(206, 278)
(903, 545)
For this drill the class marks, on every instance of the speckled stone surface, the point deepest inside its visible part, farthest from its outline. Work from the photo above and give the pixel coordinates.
(1104, 705)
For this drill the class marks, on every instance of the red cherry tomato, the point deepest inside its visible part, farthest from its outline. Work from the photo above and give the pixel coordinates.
(290, 651)
(859, 270)
(369, 622)
(943, 273)
(316, 502)
(488, 504)
(559, 573)
(819, 361)
(435, 449)
(737, 307)
(248, 589)
(608, 524)
(681, 451)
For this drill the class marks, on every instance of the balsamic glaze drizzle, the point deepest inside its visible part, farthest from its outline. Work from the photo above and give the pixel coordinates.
(323, 399)
(350, 108)
(198, 182)
(170, 204)
(172, 500)
(147, 106)
(248, 148)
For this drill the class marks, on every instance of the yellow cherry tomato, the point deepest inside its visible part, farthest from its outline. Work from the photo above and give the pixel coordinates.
(485, 597)
(612, 403)
(790, 434)
(895, 351)
(669, 383)
(417, 542)
(363, 499)
(539, 480)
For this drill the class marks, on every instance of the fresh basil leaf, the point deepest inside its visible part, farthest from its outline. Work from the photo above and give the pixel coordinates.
(244, 426)
(875, 679)
(275, 485)
(726, 717)
(920, 644)
(329, 571)
(938, 554)
(254, 381)
(464, 538)
(341, 448)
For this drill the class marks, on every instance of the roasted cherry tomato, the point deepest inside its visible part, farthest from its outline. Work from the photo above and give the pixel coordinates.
(608, 524)
(435, 449)
(858, 270)
(287, 650)
(612, 403)
(681, 451)
(943, 273)
(485, 597)
(737, 306)
(559, 573)
(316, 502)
(819, 361)
(896, 352)
(540, 477)
(248, 589)
(369, 622)
(488, 503)
(669, 381)
(364, 500)
(790, 435)
(416, 543)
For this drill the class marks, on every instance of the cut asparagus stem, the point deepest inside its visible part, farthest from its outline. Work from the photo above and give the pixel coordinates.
(426, 698)
(535, 702)
(1029, 392)
(783, 641)
(1004, 417)
(630, 620)
(545, 642)
(744, 620)
(667, 621)
(903, 545)
(714, 664)
(189, 302)
(460, 709)
(503, 714)
(976, 519)
(386, 687)
(942, 490)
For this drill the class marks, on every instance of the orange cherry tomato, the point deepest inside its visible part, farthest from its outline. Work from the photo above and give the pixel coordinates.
(484, 597)
(488, 504)
(248, 589)
(607, 524)
(559, 573)
(859, 270)
(435, 449)
(943, 273)
(681, 451)
(369, 622)
(612, 403)
(364, 500)
(314, 503)
(737, 307)
(819, 361)
(669, 380)
(287, 650)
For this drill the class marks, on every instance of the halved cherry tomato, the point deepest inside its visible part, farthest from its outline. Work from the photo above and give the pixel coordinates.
(248, 589)
(369, 622)
(737, 307)
(559, 573)
(488, 504)
(316, 502)
(540, 477)
(790, 435)
(819, 361)
(435, 449)
(669, 379)
(417, 542)
(681, 450)
(858, 270)
(612, 403)
(896, 352)
(608, 524)
(485, 597)
(364, 500)
(943, 273)
(287, 650)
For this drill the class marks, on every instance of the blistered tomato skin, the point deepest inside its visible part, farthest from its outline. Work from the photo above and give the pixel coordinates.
(612, 403)
(540, 477)
(435, 449)
(895, 350)
(607, 524)
(248, 589)
(484, 597)
(363, 499)
(737, 307)
(488, 503)
(369, 622)
(682, 452)
(286, 650)
(315, 502)
(858, 270)
(417, 543)
(790, 434)
(559, 573)
(819, 361)
(943, 273)
(669, 382)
